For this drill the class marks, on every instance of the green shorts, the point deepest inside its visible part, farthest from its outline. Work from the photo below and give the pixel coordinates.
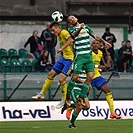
(83, 62)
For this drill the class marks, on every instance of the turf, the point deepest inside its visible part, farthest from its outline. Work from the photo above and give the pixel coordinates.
(83, 126)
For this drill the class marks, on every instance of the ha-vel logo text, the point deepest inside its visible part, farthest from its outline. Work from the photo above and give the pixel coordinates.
(19, 114)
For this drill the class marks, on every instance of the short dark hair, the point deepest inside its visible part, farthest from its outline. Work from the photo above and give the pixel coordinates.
(53, 24)
(128, 41)
(107, 29)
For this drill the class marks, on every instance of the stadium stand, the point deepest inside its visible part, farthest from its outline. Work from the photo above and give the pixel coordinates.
(23, 53)
(5, 65)
(27, 65)
(12, 53)
(16, 65)
(3, 54)
(34, 65)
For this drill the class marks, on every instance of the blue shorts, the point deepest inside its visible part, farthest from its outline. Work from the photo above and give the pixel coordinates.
(63, 66)
(98, 82)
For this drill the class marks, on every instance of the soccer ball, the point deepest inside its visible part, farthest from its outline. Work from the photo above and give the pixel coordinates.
(57, 16)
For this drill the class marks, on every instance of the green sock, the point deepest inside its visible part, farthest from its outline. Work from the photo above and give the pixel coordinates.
(70, 87)
(73, 105)
(74, 116)
(84, 90)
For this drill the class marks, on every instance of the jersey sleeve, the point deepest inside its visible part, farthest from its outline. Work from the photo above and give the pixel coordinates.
(71, 29)
(66, 34)
(89, 30)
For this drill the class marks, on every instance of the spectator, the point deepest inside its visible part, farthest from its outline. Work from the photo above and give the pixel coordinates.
(34, 40)
(110, 37)
(49, 41)
(125, 54)
(123, 43)
(106, 58)
(43, 62)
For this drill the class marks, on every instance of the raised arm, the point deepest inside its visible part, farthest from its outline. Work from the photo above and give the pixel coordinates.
(100, 39)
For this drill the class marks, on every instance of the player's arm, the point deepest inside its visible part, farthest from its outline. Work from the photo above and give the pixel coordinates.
(105, 42)
(71, 38)
(100, 39)
(102, 67)
(76, 33)
(69, 41)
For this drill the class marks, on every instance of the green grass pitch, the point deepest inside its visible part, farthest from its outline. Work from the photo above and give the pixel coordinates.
(83, 126)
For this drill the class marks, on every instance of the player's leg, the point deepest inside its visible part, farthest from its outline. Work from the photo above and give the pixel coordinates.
(85, 87)
(62, 80)
(47, 83)
(75, 115)
(49, 80)
(87, 104)
(68, 112)
(70, 87)
(63, 88)
(110, 101)
(89, 68)
(77, 67)
(102, 84)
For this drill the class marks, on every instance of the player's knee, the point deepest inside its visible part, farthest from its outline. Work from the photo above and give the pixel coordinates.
(89, 79)
(87, 107)
(51, 74)
(61, 81)
(74, 77)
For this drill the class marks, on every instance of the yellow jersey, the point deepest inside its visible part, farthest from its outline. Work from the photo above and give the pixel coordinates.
(68, 51)
(96, 59)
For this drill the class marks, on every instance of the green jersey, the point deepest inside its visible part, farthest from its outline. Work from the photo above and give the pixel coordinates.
(82, 41)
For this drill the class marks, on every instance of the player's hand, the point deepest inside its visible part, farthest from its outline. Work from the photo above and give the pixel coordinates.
(102, 67)
(82, 25)
(59, 50)
(97, 38)
(108, 44)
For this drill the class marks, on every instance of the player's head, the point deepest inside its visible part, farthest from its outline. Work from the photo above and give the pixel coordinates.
(55, 28)
(95, 45)
(72, 20)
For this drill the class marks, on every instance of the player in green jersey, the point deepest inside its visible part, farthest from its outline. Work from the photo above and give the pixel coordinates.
(83, 57)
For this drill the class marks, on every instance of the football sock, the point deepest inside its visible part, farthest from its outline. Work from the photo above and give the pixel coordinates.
(63, 88)
(72, 107)
(48, 82)
(73, 118)
(84, 90)
(110, 102)
(70, 87)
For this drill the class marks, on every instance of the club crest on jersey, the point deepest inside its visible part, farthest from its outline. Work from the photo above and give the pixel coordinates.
(82, 32)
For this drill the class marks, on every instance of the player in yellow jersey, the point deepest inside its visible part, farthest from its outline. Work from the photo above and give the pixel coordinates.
(98, 81)
(62, 66)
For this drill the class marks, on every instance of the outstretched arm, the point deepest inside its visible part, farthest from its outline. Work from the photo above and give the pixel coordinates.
(100, 39)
